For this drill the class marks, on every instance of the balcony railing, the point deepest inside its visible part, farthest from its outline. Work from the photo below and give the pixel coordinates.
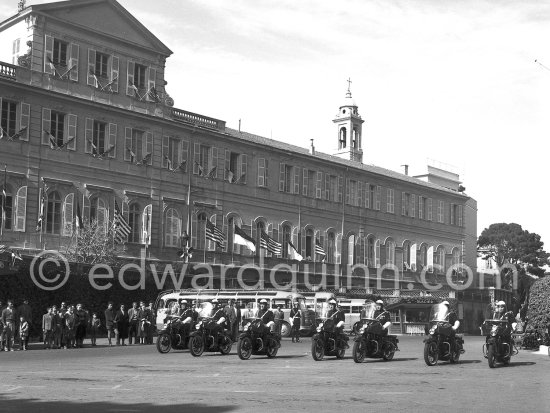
(196, 119)
(7, 71)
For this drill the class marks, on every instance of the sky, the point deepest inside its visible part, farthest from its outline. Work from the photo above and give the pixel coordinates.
(462, 83)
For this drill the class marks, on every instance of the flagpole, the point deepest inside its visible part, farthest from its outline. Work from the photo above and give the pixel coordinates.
(41, 207)
(204, 250)
(4, 193)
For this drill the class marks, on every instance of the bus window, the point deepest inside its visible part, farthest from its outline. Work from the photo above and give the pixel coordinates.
(280, 302)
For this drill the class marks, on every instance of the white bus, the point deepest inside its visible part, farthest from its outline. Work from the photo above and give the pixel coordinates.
(247, 300)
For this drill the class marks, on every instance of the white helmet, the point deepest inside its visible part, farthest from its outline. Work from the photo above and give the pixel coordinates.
(332, 301)
(501, 303)
(445, 302)
(380, 302)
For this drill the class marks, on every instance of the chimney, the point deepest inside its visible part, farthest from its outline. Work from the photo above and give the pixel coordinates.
(406, 169)
(312, 149)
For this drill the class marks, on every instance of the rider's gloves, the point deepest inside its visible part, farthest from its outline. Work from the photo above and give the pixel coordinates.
(340, 324)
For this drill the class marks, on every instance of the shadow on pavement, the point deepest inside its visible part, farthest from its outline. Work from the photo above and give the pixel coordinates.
(469, 362)
(34, 405)
(520, 363)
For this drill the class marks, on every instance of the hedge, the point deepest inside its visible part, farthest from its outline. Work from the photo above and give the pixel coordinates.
(538, 313)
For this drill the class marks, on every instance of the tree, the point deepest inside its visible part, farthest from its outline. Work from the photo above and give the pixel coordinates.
(92, 245)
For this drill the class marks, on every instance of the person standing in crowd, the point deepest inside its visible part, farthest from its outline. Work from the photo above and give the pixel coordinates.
(9, 321)
(81, 322)
(57, 327)
(70, 328)
(152, 325)
(25, 311)
(63, 332)
(95, 324)
(121, 325)
(110, 322)
(1, 327)
(233, 315)
(23, 333)
(47, 328)
(279, 316)
(295, 318)
(143, 322)
(133, 317)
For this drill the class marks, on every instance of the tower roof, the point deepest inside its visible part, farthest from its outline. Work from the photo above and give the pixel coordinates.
(349, 101)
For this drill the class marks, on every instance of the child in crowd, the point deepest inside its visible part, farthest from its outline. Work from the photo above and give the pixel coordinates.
(95, 323)
(23, 332)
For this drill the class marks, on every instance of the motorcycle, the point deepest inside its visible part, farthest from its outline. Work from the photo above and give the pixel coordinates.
(209, 335)
(172, 336)
(371, 341)
(498, 347)
(438, 345)
(327, 341)
(257, 339)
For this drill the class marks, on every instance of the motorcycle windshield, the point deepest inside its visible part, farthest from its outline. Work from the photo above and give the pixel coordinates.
(439, 312)
(368, 310)
(206, 310)
(323, 309)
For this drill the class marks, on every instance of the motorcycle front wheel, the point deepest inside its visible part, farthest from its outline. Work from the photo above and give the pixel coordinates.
(455, 356)
(317, 349)
(244, 348)
(491, 355)
(272, 349)
(431, 353)
(225, 346)
(340, 353)
(359, 351)
(164, 344)
(388, 352)
(196, 346)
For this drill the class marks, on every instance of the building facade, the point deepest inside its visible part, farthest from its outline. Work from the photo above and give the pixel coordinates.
(88, 127)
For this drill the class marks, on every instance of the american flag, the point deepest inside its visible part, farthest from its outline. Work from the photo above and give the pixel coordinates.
(213, 233)
(319, 249)
(122, 229)
(268, 243)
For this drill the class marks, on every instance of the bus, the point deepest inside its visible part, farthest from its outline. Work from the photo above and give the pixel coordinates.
(350, 306)
(246, 300)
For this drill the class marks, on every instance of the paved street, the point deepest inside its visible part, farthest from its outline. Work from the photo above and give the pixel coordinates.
(139, 379)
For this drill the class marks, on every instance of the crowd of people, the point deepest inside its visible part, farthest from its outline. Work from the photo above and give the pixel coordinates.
(67, 326)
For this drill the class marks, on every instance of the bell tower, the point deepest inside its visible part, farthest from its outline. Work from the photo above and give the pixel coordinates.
(349, 129)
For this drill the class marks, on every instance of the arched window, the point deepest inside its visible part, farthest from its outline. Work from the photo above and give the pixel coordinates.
(351, 250)
(440, 259)
(370, 252)
(287, 231)
(377, 253)
(260, 226)
(331, 247)
(342, 138)
(310, 244)
(53, 214)
(68, 215)
(8, 205)
(390, 252)
(201, 230)
(423, 255)
(361, 250)
(355, 139)
(134, 220)
(172, 229)
(406, 256)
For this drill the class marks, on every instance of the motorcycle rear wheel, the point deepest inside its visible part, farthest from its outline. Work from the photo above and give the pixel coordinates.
(272, 349)
(317, 349)
(359, 351)
(491, 355)
(340, 353)
(196, 346)
(164, 344)
(431, 353)
(244, 348)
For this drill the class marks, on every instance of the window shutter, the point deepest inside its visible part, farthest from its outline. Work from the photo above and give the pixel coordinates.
(377, 197)
(460, 217)
(225, 230)
(413, 205)
(213, 161)
(113, 129)
(227, 165)
(305, 178)
(146, 219)
(220, 173)
(348, 191)
(46, 125)
(21, 209)
(429, 212)
(266, 175)
(88, 135)
(359, 200)
(185, 153)
(367, 195)
(338, 247)
(244, 168)
(127, 144)
(303, 243)
(327, 187)
(196, 158)
(281, 177)
(24, 121)
(149, 146)
(261, 171)
(403, 203)
(73, 62)
(68, 215)
(319, 186)
(48, 55)
(71, 131)
(452, 208)
(165, 151)
(296, 179)
(151, 80)
(340, 189)
(130, 79)
(377, 253)
(114, 73)
(91, 68)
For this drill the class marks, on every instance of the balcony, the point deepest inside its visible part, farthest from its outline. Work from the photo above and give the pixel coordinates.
(7, 71)
(196, 119)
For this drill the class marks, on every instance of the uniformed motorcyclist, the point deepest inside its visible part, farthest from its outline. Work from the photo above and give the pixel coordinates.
(266, 315)
(218, 316)
(382, 316)
(336, 315)
(186, 317)
(502, 314)
(452, 319)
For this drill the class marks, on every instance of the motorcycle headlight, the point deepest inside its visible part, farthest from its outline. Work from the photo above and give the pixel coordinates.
(198, 325)
(165, 325)
(433, 329)
(320, 327)
(361, 330)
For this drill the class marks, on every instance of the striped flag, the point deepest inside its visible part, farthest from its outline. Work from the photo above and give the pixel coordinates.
(293, 254)
(122, 229)
(79, 224)
(41, 208)
(214, 234)
(319, 249)
(269, 244)
(4, 198)
(242, 238)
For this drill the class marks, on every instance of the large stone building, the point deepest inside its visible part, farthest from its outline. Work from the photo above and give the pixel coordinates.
(87, 123)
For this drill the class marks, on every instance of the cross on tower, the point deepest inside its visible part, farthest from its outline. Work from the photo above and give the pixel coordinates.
(349, 84)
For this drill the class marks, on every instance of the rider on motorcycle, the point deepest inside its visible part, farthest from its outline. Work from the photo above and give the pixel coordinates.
(383, 316)
(337, 315)
(502, 314)
(219, 316)
(453, 321)
(186, 316)
(266, 315)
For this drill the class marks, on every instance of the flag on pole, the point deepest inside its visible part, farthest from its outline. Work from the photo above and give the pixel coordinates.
(269, 244)
(242, 238)
(4, 196)
(122, 229)
(41, 208)
(79, 224)
(214, 234)
(319, 250)
(293, 254)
